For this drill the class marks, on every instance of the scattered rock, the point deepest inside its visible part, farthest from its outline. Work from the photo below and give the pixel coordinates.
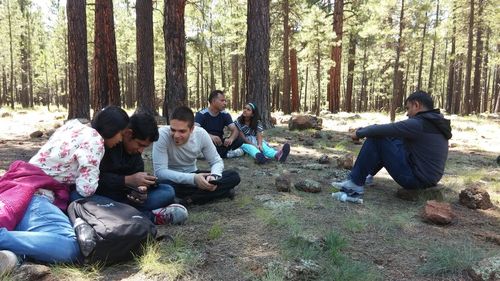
(453, 145)
(345, 161)
(303, 270)
(36, 134)
(486, 270)
(308, 185)
(324, 159)
(302, 122)
(6, 114)
(273, 120)
(313, 166)
(438, 213)
(317, 135)
(283, 182)
(490, 236)
(33, 272)
(49, 133)
(475, 198)
(431, 193)
(309, 142)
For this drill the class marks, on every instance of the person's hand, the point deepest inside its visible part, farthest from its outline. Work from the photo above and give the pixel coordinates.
(138, 195)
(140, 179)
(201, 181)
(216, 140)
(228, 142)
(354, 137)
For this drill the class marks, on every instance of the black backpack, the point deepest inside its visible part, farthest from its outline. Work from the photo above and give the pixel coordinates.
(115, 231)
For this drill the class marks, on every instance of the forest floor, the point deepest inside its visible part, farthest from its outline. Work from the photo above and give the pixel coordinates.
(264, 234)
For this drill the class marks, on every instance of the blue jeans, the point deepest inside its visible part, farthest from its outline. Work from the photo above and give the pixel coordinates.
(44, 234)
(388, 153)
(251, 150)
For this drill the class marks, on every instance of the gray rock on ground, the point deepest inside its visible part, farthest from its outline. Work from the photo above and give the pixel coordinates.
(283, 182)
(486, 270)
(475, 198)
(345, 161)
(308, 185)
(33, 272)
(36, 134)
(323, 159)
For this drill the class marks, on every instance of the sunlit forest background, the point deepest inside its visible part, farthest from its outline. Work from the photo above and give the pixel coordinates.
(354, 56)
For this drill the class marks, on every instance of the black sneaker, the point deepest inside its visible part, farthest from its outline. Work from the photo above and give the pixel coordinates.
(283, 153)
(231, 194)
(260, 158)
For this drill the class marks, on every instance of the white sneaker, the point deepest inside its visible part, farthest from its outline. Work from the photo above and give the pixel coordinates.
(238, 152)
(369, 181)
(172, 214)
(349, 187)
(8, 262)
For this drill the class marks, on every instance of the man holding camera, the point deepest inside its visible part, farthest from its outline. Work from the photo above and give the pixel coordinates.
(122, 177)
(174, 161)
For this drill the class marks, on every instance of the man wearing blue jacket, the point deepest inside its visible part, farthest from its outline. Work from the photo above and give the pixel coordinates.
(413, 151)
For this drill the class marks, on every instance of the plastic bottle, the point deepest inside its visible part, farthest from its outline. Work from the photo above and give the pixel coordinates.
(341, 196)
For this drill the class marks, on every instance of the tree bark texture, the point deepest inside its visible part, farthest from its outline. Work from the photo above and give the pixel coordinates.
(476, 86)
(350, 72)
(396, 94)
(257, 57)
(294, 81)
(433, 54)
(175, 47)
(335, 71)
(467, 108)
(145, 57)
(78, 75)
(106, 88)
(422, 48)
(286, 58)
(235, 82)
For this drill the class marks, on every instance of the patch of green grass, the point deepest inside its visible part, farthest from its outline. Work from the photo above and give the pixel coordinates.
(352, 271)
(215, 232)
(355, 225)
(296, 247)
(450, 259)
(75, 272)
(343, 146)
(170, 260)
(243, 201)
(274, 273)
(334, 244)
(200, 217)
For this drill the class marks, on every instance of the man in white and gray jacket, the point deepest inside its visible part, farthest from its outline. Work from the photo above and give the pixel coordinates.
(174, 161)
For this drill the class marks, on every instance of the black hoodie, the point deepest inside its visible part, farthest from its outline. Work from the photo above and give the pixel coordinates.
(425, 136)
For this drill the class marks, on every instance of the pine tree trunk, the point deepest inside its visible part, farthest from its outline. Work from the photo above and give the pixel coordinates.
(243, 89)
(422, 48)
(476, 87)
(497, 87)
(363, 100)
(458, 102)
(306, 83)
(286, 59)
(396, 94)
(294, 81)
(450, 89)
(235, 81)
(175, 47)
(198, 74)
(222, 68)
(486, 75)
(318, 80)
(145, 58)
(11, 53)
(78, 75)
(434, 40)
(350, 72)
(257, 57)
(467, 108)
(335, 71)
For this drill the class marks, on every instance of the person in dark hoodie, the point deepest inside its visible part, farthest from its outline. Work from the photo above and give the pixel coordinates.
(413, 151)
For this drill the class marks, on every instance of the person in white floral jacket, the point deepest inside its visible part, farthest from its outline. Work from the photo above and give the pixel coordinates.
(71, 156)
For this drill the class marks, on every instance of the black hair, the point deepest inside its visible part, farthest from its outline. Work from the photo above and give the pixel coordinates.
(214, 95)
(422, 97)
(144, 127)
(109, 121)
(255, 118)
(183, 113)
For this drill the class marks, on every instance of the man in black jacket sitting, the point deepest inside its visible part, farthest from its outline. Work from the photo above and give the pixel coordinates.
(413, 151)
(122, 177)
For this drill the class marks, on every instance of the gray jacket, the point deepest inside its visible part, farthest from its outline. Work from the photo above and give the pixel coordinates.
(425, 136)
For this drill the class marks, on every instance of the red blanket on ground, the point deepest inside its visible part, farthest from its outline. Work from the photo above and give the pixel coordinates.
(17, 187)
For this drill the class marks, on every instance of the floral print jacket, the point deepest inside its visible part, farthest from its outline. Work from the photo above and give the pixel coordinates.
(72, 156)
